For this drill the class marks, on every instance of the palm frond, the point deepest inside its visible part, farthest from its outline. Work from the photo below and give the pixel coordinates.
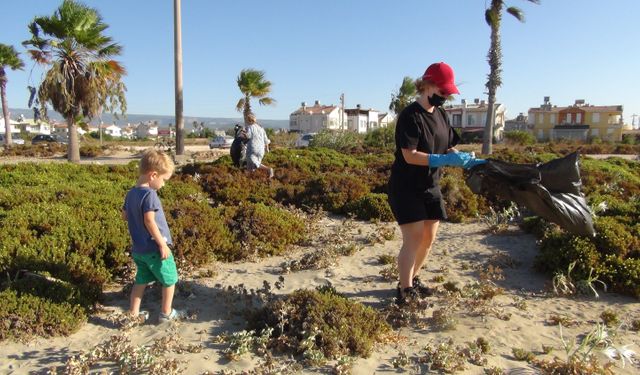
(267, 101)
(240, 105)
(491, 17)
(10, 57)
(516, 12)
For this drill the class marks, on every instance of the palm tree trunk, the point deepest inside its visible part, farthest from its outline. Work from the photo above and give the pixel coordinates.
(5, 107)
(177, 23)
(73, 149)
(247, 108)
(494, 81)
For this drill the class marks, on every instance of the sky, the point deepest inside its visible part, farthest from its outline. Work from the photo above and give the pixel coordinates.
(316, 50)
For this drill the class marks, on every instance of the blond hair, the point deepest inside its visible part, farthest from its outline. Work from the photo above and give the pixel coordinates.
(421, 85)
(156, 161)
(251, 118)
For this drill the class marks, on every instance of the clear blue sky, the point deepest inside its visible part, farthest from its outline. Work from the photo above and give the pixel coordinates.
(315, 50)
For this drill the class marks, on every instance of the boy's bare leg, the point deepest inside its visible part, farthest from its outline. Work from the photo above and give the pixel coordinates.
(136, 298)
(167, 299)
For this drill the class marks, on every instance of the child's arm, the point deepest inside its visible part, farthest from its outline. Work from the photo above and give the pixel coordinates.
(152, 227)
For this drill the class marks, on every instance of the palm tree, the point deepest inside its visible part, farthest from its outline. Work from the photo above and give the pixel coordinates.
(405, 95)
(493, 16)
(253, 85)
(8, 58)
(82, 79)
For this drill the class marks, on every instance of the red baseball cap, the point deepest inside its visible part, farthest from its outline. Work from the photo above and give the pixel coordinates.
(441, 74)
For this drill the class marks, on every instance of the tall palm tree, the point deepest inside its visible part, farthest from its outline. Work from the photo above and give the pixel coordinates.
(405, 95)
(8, 59)
(82, 79)
(493, 16)
(252, 84)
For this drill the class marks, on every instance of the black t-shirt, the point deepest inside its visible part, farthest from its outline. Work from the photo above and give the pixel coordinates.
(426, 132)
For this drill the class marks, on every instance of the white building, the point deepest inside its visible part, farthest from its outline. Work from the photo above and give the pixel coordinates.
(128, 132)
(362, 120)
(112, 130)
(472, 117)
(14, 126)
(316, 118)
(384, 119)
(146, 130)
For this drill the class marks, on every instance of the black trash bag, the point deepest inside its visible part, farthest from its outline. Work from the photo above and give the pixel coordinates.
(550, 190)
(238, 147)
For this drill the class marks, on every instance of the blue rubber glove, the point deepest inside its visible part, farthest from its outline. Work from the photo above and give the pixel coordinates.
(453, 159)
(473, 162)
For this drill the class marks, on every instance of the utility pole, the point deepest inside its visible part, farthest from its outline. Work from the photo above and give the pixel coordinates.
(633, 121)
(342, 111)
(177, 25)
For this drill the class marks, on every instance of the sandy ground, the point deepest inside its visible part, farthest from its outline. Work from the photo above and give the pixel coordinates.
(459, 252)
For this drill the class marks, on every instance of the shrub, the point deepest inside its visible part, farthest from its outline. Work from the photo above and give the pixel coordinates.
(261, 230)
(519, 137)
(558, 249)
(460, 202)
(337, 140)
(342, 327)
(23, 315)
(370, 206)
(613, 237)
(381, 139)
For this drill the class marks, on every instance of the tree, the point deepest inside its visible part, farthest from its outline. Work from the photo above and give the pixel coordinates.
(8, 59)
(493, 16)
(406, 94)
(252, 84)
(82, 79)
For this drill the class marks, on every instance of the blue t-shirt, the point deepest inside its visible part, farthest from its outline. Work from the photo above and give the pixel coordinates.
(138, 201)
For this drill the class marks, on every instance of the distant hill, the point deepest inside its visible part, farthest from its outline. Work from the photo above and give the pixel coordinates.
(210, 122)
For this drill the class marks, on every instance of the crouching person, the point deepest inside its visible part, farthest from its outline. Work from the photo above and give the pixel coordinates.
(150, 236)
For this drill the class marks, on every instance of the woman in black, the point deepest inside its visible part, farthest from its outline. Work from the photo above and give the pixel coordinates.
(424, 142)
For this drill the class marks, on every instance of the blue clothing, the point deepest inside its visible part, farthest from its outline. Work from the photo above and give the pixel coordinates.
(138, 201)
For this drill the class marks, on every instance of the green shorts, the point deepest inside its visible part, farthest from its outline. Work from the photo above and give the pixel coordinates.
(152, 268)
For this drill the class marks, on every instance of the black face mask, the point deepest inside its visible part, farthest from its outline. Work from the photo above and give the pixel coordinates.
(436, 100)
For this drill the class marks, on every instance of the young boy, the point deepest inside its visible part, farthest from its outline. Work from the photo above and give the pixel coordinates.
(150, 235)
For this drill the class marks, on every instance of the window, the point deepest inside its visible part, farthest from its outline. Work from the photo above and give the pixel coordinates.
(595, 118)
(578, 118)
(595, 132)
(540, 118)
(552, 119)
(457, 120)
(568, 118)
(470, 120)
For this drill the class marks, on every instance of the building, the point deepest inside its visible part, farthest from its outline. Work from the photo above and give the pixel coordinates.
(316, 118)
(362, 120)
(146, 130)
(580, 121)
(471, 118)
(128, 132)
(519, 123)
(384, 119)
(112, 130)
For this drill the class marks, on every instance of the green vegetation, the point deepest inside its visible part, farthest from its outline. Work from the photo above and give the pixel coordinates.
(321, 323)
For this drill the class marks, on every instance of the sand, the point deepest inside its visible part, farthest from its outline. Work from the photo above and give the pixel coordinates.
(460, 251)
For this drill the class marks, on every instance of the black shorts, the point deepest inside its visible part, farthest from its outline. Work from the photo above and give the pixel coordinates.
(411, 206)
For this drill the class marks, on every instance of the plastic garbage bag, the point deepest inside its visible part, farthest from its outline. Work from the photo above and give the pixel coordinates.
(550, 190)
(238, 148)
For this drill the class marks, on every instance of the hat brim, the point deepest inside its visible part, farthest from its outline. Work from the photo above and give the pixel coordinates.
(449, 89)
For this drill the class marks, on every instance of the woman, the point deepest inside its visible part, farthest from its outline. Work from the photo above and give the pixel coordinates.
(424, 142)
(257, 145)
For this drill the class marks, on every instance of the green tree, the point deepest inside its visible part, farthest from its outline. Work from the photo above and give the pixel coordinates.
(493, 16)
(406, 94)
(82, 79)
(8, 59)
(253, 84)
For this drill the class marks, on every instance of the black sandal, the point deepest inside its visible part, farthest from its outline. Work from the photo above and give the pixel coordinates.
(421, 288)
(406, 295)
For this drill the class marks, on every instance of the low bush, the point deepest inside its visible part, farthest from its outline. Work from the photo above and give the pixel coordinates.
(321, 320)
(519, 137)
(23, 315)
(261, 230)
(370, 206)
